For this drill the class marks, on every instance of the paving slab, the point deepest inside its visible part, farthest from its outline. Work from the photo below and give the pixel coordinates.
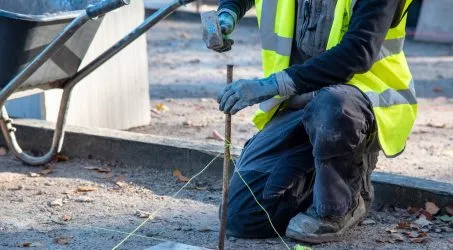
(175, 246)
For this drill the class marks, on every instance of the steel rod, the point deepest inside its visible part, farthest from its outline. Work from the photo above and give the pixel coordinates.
(226, 169)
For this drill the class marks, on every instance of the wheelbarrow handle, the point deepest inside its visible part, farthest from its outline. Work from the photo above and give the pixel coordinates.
(99, 9)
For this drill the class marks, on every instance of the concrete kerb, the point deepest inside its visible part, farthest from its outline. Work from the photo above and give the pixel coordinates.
(188, 156)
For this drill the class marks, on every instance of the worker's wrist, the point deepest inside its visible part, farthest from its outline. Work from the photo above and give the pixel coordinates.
(231, 13)
(286, 85)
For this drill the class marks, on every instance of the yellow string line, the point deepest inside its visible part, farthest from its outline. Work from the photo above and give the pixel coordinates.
(151, 216)
(227, 144)
(259, 204)
(236, 170)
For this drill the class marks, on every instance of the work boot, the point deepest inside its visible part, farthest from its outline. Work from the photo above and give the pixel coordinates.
(310, 227)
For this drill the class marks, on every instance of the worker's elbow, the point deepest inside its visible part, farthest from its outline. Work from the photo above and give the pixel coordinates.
(365, 55)
(365, 66)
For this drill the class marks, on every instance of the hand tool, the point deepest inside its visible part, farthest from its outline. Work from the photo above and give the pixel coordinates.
(226, 169)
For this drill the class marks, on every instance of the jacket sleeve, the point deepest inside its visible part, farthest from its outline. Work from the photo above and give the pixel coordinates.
(356, 52)
(240, 7)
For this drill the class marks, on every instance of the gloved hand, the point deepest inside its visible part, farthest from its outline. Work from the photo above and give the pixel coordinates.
(243, 93)
(227, 23)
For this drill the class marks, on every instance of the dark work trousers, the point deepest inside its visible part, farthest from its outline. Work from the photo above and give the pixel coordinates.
(318, 148)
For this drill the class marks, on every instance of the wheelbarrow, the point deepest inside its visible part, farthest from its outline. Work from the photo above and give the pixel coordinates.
(43, 44)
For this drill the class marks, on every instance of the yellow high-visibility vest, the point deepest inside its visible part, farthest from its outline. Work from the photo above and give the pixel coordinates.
(388, 84)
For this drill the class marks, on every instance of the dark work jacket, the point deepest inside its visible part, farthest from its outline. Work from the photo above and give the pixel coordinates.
(356, 52)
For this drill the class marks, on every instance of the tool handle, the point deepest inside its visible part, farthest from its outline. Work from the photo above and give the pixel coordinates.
(99, 9)
(226, 170)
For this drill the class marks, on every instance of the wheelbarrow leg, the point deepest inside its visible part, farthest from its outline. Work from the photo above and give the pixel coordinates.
(57, 141)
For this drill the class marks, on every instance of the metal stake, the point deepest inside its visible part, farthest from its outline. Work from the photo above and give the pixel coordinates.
(226, 169)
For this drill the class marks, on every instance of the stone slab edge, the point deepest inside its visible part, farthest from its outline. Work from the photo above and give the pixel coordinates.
(189, 156)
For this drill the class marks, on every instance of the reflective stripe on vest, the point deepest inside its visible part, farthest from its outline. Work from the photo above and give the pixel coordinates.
(392, 97)
(388, 85)
(269, 39)
(276, 19)
(391, 47)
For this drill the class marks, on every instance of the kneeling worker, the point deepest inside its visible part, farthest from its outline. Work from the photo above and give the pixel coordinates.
(337, 90)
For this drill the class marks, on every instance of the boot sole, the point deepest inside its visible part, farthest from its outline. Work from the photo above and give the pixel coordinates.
(331, 237)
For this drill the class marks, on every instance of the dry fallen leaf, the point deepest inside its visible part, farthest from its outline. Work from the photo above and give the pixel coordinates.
(24, 244)
(33, 175)
(436, 125)
(99, 169)
(63, 240)
(449, 210)
(84, 199)
(397, 237)
(142, 214)
(391, 230)
(85, 189)
(46, 171)
(431, 208)
(56, 203)
(412, 234)
(204, 230)
(386, 240)
(67, 218)
(423, 234)
(420, 240)
(368, 222)
(181, 177)
(447, 153)
(162, 107)
(121, 184)
(62, 158)
(404, 225)
(427, 214)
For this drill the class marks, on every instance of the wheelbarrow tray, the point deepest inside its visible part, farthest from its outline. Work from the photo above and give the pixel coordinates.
(42, 48)
(27, 27)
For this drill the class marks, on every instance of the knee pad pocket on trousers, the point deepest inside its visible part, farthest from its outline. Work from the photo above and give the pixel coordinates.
(334, 123)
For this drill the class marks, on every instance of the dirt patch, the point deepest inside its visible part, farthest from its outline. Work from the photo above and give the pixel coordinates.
(57, 210)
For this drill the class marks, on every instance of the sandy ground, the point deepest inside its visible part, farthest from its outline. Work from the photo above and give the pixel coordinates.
(185, 77)
(55, 211)
(44, 212)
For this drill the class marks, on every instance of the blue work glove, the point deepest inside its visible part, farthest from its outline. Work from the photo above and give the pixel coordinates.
(227, 23)
(243, 93)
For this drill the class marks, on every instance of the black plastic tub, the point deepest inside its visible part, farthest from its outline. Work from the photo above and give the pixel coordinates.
(28, 26)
